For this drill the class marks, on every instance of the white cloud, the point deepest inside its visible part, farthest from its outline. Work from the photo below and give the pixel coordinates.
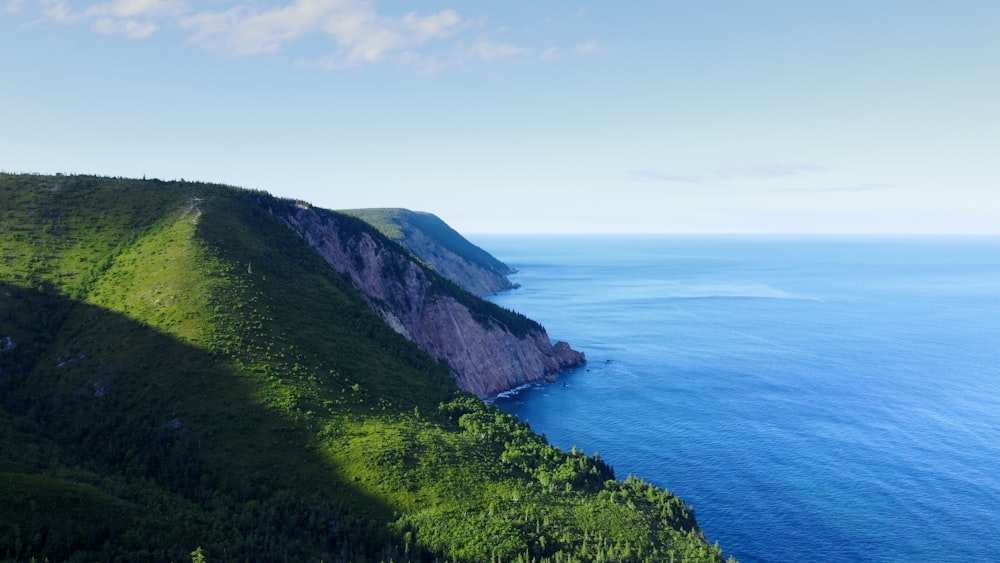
(127, 28)
(550, 54)
(589, 48)
(239, 31)
(360, 33)
(58, 11)
(491, 51)
(13, 6)
(437, 25)
(340, 33)
(657, 176)
(133, 8)
(133, 19)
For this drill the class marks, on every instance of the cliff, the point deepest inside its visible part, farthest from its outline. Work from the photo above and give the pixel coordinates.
(487, 349)
(442, 248)
(172, 353)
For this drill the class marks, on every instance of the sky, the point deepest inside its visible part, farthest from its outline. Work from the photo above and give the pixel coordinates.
(722, 116)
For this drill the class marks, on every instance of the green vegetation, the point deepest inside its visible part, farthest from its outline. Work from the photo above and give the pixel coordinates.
(181, 378)
(396, 223)
(387, 220)
(486, 313)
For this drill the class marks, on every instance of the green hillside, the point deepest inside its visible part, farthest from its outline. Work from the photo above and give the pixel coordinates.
(180, 372)
(395, 223)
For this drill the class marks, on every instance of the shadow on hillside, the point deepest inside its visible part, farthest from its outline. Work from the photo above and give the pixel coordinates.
(168, 427)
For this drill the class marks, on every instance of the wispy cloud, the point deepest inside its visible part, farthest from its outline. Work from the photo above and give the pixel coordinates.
(13, 6)
(767, 171)
(492, 51)
(650, 176)
(134, 19)
(332, 34)
(134, 8)
(58, 11)
(853, 188)
(127, 28)
(550, 54)
(743, 172)
(589, 48)
(361, 34)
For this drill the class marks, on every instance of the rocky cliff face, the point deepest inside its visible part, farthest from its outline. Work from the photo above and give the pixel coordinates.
(485, 349)
(469, 275)
(442, 248)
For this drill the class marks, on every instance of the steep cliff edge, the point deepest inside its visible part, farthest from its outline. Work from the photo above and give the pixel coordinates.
(487, 348)
(442, 248)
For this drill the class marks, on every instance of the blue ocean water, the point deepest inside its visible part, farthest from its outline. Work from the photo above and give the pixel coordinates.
(824, 399)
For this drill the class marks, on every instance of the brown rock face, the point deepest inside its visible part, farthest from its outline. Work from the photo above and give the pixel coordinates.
(485, 356)
(469, 276)
(439, 246)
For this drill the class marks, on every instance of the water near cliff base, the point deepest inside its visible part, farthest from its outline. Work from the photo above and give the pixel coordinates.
(824, 399)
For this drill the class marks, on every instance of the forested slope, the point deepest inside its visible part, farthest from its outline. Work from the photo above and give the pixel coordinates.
(179, 371)
(441, 247)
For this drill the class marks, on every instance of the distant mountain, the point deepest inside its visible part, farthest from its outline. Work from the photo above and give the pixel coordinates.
(190, 369)
(442, 248)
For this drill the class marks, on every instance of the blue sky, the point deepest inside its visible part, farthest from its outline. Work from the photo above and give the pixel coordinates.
(727, 116)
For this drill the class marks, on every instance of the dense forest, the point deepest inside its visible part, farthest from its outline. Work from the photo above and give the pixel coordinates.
(181, 378)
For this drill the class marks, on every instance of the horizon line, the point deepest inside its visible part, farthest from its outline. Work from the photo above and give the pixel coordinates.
(924, 234)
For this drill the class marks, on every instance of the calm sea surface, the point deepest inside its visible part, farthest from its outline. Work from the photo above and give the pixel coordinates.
(824, 399)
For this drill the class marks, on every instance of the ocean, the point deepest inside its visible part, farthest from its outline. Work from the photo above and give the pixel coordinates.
(813, 398)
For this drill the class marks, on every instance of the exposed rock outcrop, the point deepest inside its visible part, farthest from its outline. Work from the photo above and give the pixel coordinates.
(469, 275)
(487, 348)
(442, 248)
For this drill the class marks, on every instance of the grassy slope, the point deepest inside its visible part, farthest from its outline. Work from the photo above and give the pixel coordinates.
(190, 373)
